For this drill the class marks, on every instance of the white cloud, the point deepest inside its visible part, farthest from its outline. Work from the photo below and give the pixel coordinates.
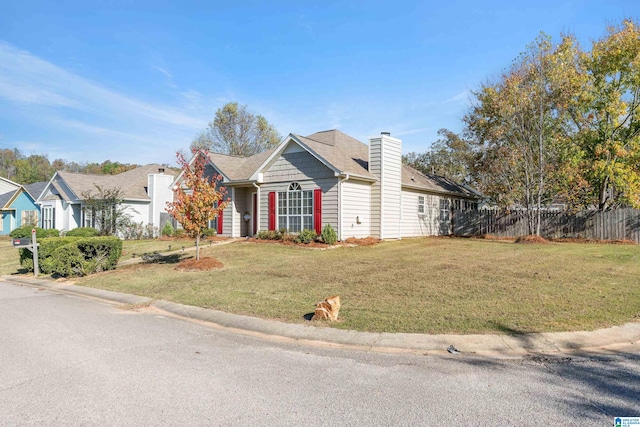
(462, 96)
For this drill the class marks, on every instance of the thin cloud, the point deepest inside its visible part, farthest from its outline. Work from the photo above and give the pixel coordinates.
(28, 79)
(462, 96)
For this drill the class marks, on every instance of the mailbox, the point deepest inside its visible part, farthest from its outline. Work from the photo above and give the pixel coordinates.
(21, 243)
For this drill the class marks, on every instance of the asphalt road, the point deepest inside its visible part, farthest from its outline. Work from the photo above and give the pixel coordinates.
(66, 360)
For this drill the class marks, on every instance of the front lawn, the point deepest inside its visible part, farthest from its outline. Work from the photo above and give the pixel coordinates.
(430, 285)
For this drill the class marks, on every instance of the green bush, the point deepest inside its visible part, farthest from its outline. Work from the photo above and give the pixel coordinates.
(167, 230)
(269, 235)
(82, 232)
(41, 233)
(329, 235)
(74, 256)
(306, 236)
(179, 233)
(209, 232)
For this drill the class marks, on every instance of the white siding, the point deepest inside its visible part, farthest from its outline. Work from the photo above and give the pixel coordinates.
(7, 186)
(385, 162)
(431, 223)
(356, 211)
(159, 189)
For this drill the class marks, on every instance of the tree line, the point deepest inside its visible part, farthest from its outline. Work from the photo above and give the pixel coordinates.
(561, 124)
(23, 169)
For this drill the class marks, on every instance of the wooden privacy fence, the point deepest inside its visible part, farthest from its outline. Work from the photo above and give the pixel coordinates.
(617, 224)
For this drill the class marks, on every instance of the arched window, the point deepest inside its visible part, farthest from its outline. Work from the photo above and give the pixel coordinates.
(295, 208)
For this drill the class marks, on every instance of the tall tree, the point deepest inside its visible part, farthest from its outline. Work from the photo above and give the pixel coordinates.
(198, 199)
(450, 156)
(516, 124)
(606, 116)
(34, 168)
(237, 131)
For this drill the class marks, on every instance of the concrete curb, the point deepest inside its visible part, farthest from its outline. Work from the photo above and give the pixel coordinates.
(488, 345)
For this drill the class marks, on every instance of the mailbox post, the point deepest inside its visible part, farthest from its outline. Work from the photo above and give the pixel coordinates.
(32, 245)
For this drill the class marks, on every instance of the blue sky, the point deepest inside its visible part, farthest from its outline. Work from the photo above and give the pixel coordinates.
(134, 81)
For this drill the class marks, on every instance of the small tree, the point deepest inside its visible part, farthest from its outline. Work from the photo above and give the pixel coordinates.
(105, 208)
(198, 199)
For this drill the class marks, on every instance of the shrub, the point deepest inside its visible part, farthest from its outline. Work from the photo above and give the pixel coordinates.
(167, 230)
(329, 235)
(41, 233)
(73, 256)
(306, 236)
(209, 232)
(269, 235)
(82, 232)
(179, 232)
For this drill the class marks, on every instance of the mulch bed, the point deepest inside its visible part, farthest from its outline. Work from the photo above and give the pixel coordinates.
(203, 264)
(531, 239)
(369, 241)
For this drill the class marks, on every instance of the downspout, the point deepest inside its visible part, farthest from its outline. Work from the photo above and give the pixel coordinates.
(340, 222)
(257, 220)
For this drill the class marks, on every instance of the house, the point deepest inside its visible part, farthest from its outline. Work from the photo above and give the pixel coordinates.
(145, 191)
(18, 205)
(331, 178)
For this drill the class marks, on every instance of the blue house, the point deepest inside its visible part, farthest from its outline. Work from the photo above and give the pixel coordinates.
(18, 205)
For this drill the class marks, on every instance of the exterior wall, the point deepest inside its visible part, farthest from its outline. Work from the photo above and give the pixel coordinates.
(431, 223)
(159, 189)
(385, 161)
(7, 186)
(8, 222)
(138, 211)
(13, 219)
(356, 209)
(330, 197)
(296, 166)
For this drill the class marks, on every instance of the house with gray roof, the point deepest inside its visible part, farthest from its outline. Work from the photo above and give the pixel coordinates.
(329, 177)
(18, 205)
(145, 191)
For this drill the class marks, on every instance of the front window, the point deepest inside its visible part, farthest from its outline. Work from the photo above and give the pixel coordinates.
(29, 218)
(295, 209)
(48, 217)
(87, 218)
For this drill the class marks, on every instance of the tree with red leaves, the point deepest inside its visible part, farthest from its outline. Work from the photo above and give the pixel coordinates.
(198, 198)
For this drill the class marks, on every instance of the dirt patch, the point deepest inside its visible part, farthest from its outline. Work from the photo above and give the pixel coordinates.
(492, 237)
(203, 264)
(531, 239)
(367, 241)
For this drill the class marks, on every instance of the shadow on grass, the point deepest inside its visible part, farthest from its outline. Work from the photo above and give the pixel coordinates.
(163, 259)
(308, 316)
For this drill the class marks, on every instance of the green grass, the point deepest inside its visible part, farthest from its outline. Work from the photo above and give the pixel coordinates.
(432, 285)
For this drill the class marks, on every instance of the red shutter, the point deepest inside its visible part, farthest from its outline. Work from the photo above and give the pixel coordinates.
(317, 210)
(272, 210)
(220, 219)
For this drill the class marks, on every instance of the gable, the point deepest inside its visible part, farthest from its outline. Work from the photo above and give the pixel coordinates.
(294, 165)
(7, 185)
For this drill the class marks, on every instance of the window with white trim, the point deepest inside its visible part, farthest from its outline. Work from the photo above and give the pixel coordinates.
(88, 218)
(420, 205)
(29, 218)
(295, 209)
(48, 217)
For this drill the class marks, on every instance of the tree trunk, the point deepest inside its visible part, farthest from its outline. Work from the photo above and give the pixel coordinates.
(198, 246)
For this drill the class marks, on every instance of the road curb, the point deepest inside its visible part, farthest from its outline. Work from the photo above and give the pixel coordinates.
(482, 344)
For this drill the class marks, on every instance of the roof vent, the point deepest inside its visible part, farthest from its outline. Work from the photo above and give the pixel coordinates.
(160, 170)
(385, 133)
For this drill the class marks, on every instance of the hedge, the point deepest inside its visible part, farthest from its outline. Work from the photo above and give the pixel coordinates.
(74, 256)
(41, 233)
(82, 232)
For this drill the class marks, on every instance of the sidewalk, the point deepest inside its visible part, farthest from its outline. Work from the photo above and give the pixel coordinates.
(615, 338)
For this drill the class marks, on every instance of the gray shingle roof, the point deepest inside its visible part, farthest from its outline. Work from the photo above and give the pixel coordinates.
(36, 188)
(4, 198)
(345, 154)
(414, 178)
(132, 183)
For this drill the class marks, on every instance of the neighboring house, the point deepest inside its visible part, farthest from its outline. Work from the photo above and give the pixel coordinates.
(331, 178)
(145, 191)
(18, 205)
